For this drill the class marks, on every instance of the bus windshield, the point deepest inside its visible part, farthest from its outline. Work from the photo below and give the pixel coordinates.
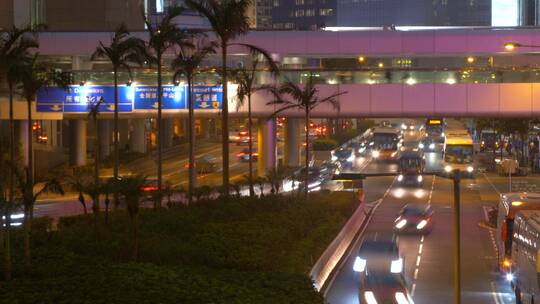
(410, 163)
(385, 140)
(459, 154)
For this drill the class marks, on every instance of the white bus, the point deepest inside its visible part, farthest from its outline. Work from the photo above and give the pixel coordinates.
(459, 152)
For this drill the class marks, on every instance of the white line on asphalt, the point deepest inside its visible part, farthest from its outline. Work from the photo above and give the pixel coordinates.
(413, 289)
(422, 239)
(415, 274)
(418, 261)
(492, 185)
(495, 294)
(420, 249)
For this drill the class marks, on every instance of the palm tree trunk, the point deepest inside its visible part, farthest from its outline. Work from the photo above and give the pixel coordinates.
(27, 230)
(191, 133)
(116, 155)
(306, 184)
(95, 198)
(30, 183)
(7, 254)
(135, 236)
(250, 126)
(225, 120)
(159, 131)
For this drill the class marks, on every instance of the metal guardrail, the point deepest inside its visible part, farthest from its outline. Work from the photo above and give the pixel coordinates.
(334, 254)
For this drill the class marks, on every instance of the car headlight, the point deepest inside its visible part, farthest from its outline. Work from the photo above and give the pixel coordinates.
(483, 142)
(334, 158)
(401, 298)
(351, 158)
(375, 154)
(419, 178)
(411, 127)
(509, 277)
(371, 143)
(400, 178)
(401, 223)
(448, 169)
(421, 225)
(369, 296)
(397, 266)
(359, 264)
(431, 146)
(403, 126)
(470, 169)
(442, 134)
(421, 146)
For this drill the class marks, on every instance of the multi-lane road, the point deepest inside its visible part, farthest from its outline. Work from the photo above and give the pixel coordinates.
(429, 259)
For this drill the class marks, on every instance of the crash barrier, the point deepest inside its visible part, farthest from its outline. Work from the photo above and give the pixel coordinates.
(339, 247)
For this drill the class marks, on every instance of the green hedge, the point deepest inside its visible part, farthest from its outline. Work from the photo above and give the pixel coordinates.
(244, 251)
(324, 144)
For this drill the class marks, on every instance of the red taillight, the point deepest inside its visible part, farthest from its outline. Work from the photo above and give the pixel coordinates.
(240, 154)
(149, 188)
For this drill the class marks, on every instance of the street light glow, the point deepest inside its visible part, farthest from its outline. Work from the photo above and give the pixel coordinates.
(470, 59)
(510, 46)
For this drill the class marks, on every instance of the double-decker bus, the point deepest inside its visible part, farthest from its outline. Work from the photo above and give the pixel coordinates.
(384, 143)
(435, 129)
(509, 205)
(459, 152)
(524, 270)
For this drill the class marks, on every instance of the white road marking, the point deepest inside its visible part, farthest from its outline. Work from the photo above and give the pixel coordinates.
(491, 184)
(418, 260)
(496, 296)
(413, 289)
(420, 249)
(415, 274)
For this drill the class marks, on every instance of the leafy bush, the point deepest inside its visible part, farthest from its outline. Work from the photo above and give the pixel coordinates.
(242, 251)
(324, 144)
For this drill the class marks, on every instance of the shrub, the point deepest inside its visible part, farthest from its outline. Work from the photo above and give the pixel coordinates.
(324, 144)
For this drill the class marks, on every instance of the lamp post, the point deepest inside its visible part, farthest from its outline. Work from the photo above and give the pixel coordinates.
(457, 234)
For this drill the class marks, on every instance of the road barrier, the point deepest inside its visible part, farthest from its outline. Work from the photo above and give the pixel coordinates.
(337, 250)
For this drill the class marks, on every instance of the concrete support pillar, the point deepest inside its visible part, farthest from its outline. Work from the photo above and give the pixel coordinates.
(21, 132)
(123, 131)
(105, 137)
(168, 132)
(78, 142)
(138, 135)
(292, 142)
(266, 145)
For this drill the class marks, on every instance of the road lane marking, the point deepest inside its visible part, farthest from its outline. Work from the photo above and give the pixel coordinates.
(491, 184)
(416, 274)
(422, 239)
(413, 289)
(420, 249)
(418, 260)
(495, 294)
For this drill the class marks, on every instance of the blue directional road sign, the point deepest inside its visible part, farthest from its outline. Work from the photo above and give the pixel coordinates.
(174, 97)
(77, 99)
(207, 97)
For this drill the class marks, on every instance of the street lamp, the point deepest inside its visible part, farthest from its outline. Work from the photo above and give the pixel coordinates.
(510, 46)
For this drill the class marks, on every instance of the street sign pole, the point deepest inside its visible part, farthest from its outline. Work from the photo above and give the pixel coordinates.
(457, 234)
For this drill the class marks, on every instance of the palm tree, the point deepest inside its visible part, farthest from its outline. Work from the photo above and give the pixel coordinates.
(131, 188)
(276, 176)
(26, 186)
(34, 77)
(163, 36)
(245, 78)
(228, 19)
(15, 46)
(121, 52)
(80, 181)
(93, 113)
(290, 95)
(187, 63)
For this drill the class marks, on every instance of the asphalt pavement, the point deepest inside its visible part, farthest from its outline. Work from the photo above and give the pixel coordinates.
(429, 259)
